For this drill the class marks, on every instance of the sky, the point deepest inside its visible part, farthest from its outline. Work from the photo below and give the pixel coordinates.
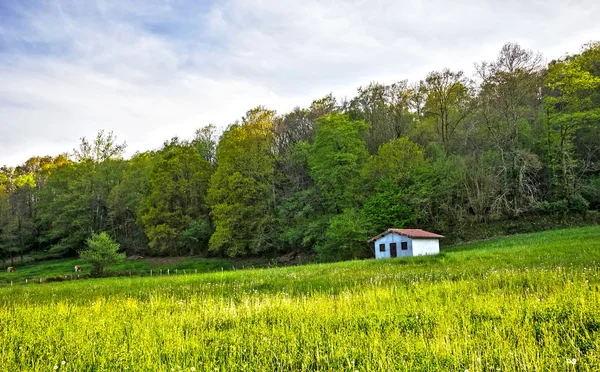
(154, 69)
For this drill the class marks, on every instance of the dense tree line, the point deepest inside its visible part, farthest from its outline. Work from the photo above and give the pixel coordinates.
(521, 138)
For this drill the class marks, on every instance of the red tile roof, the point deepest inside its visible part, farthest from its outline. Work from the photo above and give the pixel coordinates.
(411, 233)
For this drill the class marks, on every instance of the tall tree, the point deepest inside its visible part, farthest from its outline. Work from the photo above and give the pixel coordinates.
(336, 158)
(5, 219)
(103, 147)
(241, 193)
(385, 108)
(74, 203)
(509, 103)
(175, 210)
(125, 203)
(205, 142)
(449, 102)
(388, 179)
(301, 220)
(572, 105)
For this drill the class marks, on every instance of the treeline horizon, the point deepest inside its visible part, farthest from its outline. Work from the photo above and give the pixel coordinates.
(444, 153)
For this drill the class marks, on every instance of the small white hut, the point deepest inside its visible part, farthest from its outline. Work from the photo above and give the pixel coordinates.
(405, 242)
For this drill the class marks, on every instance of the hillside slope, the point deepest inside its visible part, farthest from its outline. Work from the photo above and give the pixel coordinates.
(527, 302)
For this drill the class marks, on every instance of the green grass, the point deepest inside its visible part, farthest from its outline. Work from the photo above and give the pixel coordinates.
(529, 302)
(56, 269)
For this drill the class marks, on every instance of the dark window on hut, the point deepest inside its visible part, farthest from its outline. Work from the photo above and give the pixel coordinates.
(404, 246)
(381, 247)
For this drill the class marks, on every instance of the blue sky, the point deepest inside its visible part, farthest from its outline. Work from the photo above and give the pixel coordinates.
(150, 70)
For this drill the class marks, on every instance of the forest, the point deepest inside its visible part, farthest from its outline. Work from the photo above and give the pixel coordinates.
(517, 141)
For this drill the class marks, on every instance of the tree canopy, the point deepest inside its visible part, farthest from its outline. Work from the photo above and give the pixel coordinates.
(518, 140)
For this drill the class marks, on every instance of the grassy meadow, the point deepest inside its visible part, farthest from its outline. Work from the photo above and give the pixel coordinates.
(522, 303)
(59, 269)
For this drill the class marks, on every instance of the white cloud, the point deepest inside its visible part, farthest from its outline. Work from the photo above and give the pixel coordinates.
(156, 69)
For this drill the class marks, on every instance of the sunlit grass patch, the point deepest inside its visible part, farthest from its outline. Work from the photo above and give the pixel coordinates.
(522, 303)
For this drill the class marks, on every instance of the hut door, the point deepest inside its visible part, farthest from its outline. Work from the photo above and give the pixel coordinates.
(393, 250)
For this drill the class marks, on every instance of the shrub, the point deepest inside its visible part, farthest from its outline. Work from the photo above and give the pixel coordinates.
(346, 238)
(195, 238)
(577, 203)
(102, 251)
(591, 192)
(555, 207)
(387, 209)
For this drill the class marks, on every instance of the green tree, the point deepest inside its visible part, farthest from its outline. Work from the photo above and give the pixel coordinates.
(346, 237)
(449, 101)
(125, 202)
(388, 178)
(509, 104)
(102, 148)
(301, 220)
(241, 193)
(5, 220)
(74, 201)
(175, 200)
(205, 143)
(386, 109)
(101, 252)
(336, 158)
(572, 105)
(22, 202)
(398, 161)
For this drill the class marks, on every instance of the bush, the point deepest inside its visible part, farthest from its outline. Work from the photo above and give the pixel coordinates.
(387, 209)
(346, 238)
(577, 203)
(102, 251)
(591, 192)
(555, 207)
(195, 238)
